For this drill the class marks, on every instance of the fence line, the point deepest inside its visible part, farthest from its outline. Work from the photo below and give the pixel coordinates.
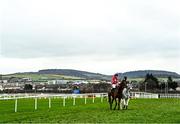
(53, 96)
(153, 95)
(50, 96)
(101, 95)
(92, 95)
(143, 95)
(169, 95)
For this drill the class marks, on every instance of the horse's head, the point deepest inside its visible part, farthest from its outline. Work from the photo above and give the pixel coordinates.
(129, 86)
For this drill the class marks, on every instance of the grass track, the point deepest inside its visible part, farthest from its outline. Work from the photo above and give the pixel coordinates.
(140, 110)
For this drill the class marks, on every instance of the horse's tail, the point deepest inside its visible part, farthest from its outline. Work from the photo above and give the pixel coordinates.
(109, 97)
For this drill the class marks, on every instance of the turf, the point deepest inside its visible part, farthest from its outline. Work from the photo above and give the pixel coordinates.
(139, 111)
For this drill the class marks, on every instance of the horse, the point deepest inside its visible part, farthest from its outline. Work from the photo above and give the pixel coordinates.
(126, 96)
(113, 95)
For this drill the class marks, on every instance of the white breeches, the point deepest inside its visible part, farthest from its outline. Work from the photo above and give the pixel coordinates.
(114, 85)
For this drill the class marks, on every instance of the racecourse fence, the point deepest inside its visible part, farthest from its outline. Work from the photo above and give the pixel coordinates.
(103, 97)
(65, 97)
(143, 95)
(169, 95)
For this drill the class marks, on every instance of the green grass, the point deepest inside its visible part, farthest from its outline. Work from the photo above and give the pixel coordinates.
(140, 111)
(41, 77)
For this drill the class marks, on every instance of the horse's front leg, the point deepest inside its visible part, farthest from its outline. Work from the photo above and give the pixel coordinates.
(111, 102)
(110, 105)
(115, 104)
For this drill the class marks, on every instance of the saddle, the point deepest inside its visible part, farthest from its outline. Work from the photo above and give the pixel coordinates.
(114, 90)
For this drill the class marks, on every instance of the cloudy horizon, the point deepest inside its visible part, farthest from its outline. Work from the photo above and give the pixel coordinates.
(100, 36)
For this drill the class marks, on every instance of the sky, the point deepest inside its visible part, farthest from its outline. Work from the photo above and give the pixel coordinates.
(102, 36)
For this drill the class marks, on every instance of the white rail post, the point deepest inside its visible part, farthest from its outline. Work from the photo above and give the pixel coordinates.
(101, 97)
(49, 102)
(35, 106)
(64, 101)
(107, 98)
(93, 98)
(85, 101)
(15, 107)
(74, 100)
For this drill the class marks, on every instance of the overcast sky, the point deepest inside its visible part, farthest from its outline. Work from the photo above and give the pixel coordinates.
(104, 36)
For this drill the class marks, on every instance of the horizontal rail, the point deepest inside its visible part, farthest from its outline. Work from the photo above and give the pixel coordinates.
(133, 95)
(58, 95)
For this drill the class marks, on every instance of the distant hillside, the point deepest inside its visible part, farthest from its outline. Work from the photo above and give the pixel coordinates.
(142, 73)
(75, 73)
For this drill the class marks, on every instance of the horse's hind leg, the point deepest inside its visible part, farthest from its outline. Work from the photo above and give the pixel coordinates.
(119, 100)
(115, 104)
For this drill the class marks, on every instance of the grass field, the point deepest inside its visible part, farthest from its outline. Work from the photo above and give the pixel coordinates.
(41, 77)
(140, 110)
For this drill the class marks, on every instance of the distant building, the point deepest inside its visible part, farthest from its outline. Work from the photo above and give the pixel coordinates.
(1, 88)
(19, 80)
(26, 80)
(178, 88)
(4, 81)
(13, 88)
(57, 82)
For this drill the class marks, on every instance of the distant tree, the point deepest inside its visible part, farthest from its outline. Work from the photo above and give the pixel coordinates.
(1, 80)
(169, 80)
(162, 85)
(28, 87)
(150, 82)
(172, 84)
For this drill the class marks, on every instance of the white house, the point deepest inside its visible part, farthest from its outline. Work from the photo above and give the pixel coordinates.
(4, 81)
(178, 88)
(1, 88)
(57, 82)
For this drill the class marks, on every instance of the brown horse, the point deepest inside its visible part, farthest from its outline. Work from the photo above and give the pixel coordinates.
(113, 95)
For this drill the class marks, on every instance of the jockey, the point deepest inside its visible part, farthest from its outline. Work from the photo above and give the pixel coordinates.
(124, 82)
(114, 81)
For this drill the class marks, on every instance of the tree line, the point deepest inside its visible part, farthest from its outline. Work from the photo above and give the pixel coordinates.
(152, 83)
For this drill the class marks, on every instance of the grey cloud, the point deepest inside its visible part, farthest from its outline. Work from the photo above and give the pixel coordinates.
(140, 30)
